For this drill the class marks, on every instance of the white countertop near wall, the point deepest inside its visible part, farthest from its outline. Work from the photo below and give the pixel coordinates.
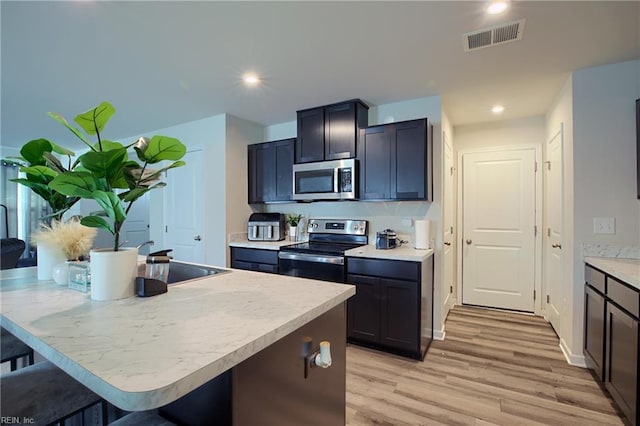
(627, 270)
(400, 253)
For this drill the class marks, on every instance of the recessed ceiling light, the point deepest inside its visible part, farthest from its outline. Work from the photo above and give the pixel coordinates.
(497, 7)
(251, 79)
(497, 109)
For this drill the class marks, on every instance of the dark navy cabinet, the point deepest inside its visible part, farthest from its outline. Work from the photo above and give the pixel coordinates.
(270, 173)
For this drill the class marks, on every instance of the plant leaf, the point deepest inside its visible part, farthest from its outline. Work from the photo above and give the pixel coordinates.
(157, 173)
(32, 151)
(96, 222)
(132, 195)
(95, 118)
(42, 174)
(111, 205)
(164, 148)
(104, 164)
(74, 184)
(42, 189)
(60, 150)
(53, 162)
(63, 121)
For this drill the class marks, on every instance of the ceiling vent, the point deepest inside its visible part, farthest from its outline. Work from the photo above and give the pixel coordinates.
(493, 36)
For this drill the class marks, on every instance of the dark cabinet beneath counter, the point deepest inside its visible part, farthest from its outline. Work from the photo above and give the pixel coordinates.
(250, 259)
(270, 173)
(392, 309)
(330, 132)
(612, 338)
(396, 161)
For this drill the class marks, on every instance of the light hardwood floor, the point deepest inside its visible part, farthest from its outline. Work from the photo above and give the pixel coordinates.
(493, 368)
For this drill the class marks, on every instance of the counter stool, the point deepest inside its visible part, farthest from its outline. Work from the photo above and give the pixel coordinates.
(142, 418)
(45, 394)
(12, 349)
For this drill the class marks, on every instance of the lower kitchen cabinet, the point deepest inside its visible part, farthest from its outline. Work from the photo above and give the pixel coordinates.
(612, 338)
(250, 259)
(393, 306)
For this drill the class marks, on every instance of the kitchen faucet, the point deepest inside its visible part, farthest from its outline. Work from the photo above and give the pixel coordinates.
(150, 242)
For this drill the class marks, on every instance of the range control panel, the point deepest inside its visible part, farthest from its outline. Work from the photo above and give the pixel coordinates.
(337, 226)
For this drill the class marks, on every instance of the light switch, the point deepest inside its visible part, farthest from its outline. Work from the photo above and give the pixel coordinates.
(604, 225)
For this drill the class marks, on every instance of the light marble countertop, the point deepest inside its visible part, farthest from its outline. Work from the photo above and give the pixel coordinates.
(142, 353)
(400, 253)
(627, 270)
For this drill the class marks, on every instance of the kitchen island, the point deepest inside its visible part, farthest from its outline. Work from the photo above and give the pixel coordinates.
(144, 353)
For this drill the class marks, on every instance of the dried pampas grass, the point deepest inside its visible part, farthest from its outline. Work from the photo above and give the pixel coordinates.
(74, 239)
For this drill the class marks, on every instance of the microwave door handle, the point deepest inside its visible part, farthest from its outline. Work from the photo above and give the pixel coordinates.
(254, 232)
(336, 174)
(270, 232)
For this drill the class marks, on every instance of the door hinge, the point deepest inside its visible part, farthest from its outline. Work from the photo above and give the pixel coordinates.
(548, 232)
(535, 168)
(166, 229)
(535, 230)
(548, 299)
(534, 295)
(452, 169)
(548, 163)
(451, 289)
(451, 229)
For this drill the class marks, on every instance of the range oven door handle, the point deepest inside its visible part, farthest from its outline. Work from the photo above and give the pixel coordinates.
(336, 260)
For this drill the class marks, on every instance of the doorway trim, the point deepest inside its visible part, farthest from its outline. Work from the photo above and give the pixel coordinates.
(538, 305)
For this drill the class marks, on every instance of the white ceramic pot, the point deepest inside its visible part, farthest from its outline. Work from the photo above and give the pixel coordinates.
(113, 273)
(293, 233)
(48, 257)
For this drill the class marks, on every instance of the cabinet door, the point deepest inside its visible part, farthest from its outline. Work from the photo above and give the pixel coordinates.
(400, 314)
(594, 328)
(409, 161)
(310, 139)
(363, 309)
(340, 131)
(261, 172)
(621, 373)
(374, 153)
(283, 170)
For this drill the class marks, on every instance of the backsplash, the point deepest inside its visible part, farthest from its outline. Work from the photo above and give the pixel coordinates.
(611, 250)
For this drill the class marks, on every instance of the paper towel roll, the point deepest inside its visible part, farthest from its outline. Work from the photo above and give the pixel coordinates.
(421, 235)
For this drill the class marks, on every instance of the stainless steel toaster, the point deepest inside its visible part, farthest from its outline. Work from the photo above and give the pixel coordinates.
(266, 227)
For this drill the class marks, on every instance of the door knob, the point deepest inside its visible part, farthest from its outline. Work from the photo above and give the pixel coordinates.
(469, 241)
(558, 246)
(447, 244)
(197, 238)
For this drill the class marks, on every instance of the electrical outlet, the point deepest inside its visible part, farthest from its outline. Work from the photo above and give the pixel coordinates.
(604, 225)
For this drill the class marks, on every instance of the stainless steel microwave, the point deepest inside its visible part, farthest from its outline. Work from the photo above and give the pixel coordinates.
(326, 180)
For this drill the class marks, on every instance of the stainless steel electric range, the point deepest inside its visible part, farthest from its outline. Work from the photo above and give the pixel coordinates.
(322, 257)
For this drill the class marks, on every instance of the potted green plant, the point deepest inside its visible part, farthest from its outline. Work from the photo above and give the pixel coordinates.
(107, 174)
(293, 220)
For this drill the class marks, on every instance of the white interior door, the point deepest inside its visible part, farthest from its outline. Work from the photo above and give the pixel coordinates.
(447, 223)
(498, 252)
(553, 270)
(185, 210)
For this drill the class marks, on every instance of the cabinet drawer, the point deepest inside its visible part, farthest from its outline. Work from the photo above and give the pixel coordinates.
(594, 278)
(624, 296)
(258, 267)
(384, 268)
(254, 255)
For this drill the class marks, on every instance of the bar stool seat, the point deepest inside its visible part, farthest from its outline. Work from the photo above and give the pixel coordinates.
(12, 349)
(44, 393)
(142, 418)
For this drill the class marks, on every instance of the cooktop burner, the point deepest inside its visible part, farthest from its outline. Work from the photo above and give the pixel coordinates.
(320, 248)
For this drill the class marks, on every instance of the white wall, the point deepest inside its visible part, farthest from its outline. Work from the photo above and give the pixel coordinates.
(447, 298)
(604, 156)
(529, 131)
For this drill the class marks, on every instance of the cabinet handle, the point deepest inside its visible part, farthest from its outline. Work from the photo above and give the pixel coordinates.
(469, 241)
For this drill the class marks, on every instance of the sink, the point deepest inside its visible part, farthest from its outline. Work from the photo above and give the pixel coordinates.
(179, 272)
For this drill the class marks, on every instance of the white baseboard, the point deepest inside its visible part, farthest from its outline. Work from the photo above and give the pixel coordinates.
(439, 334)
(572, 359)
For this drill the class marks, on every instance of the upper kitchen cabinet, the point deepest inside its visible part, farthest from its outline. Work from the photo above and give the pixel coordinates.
(395, 161)
(270, 171)
(330, 132)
